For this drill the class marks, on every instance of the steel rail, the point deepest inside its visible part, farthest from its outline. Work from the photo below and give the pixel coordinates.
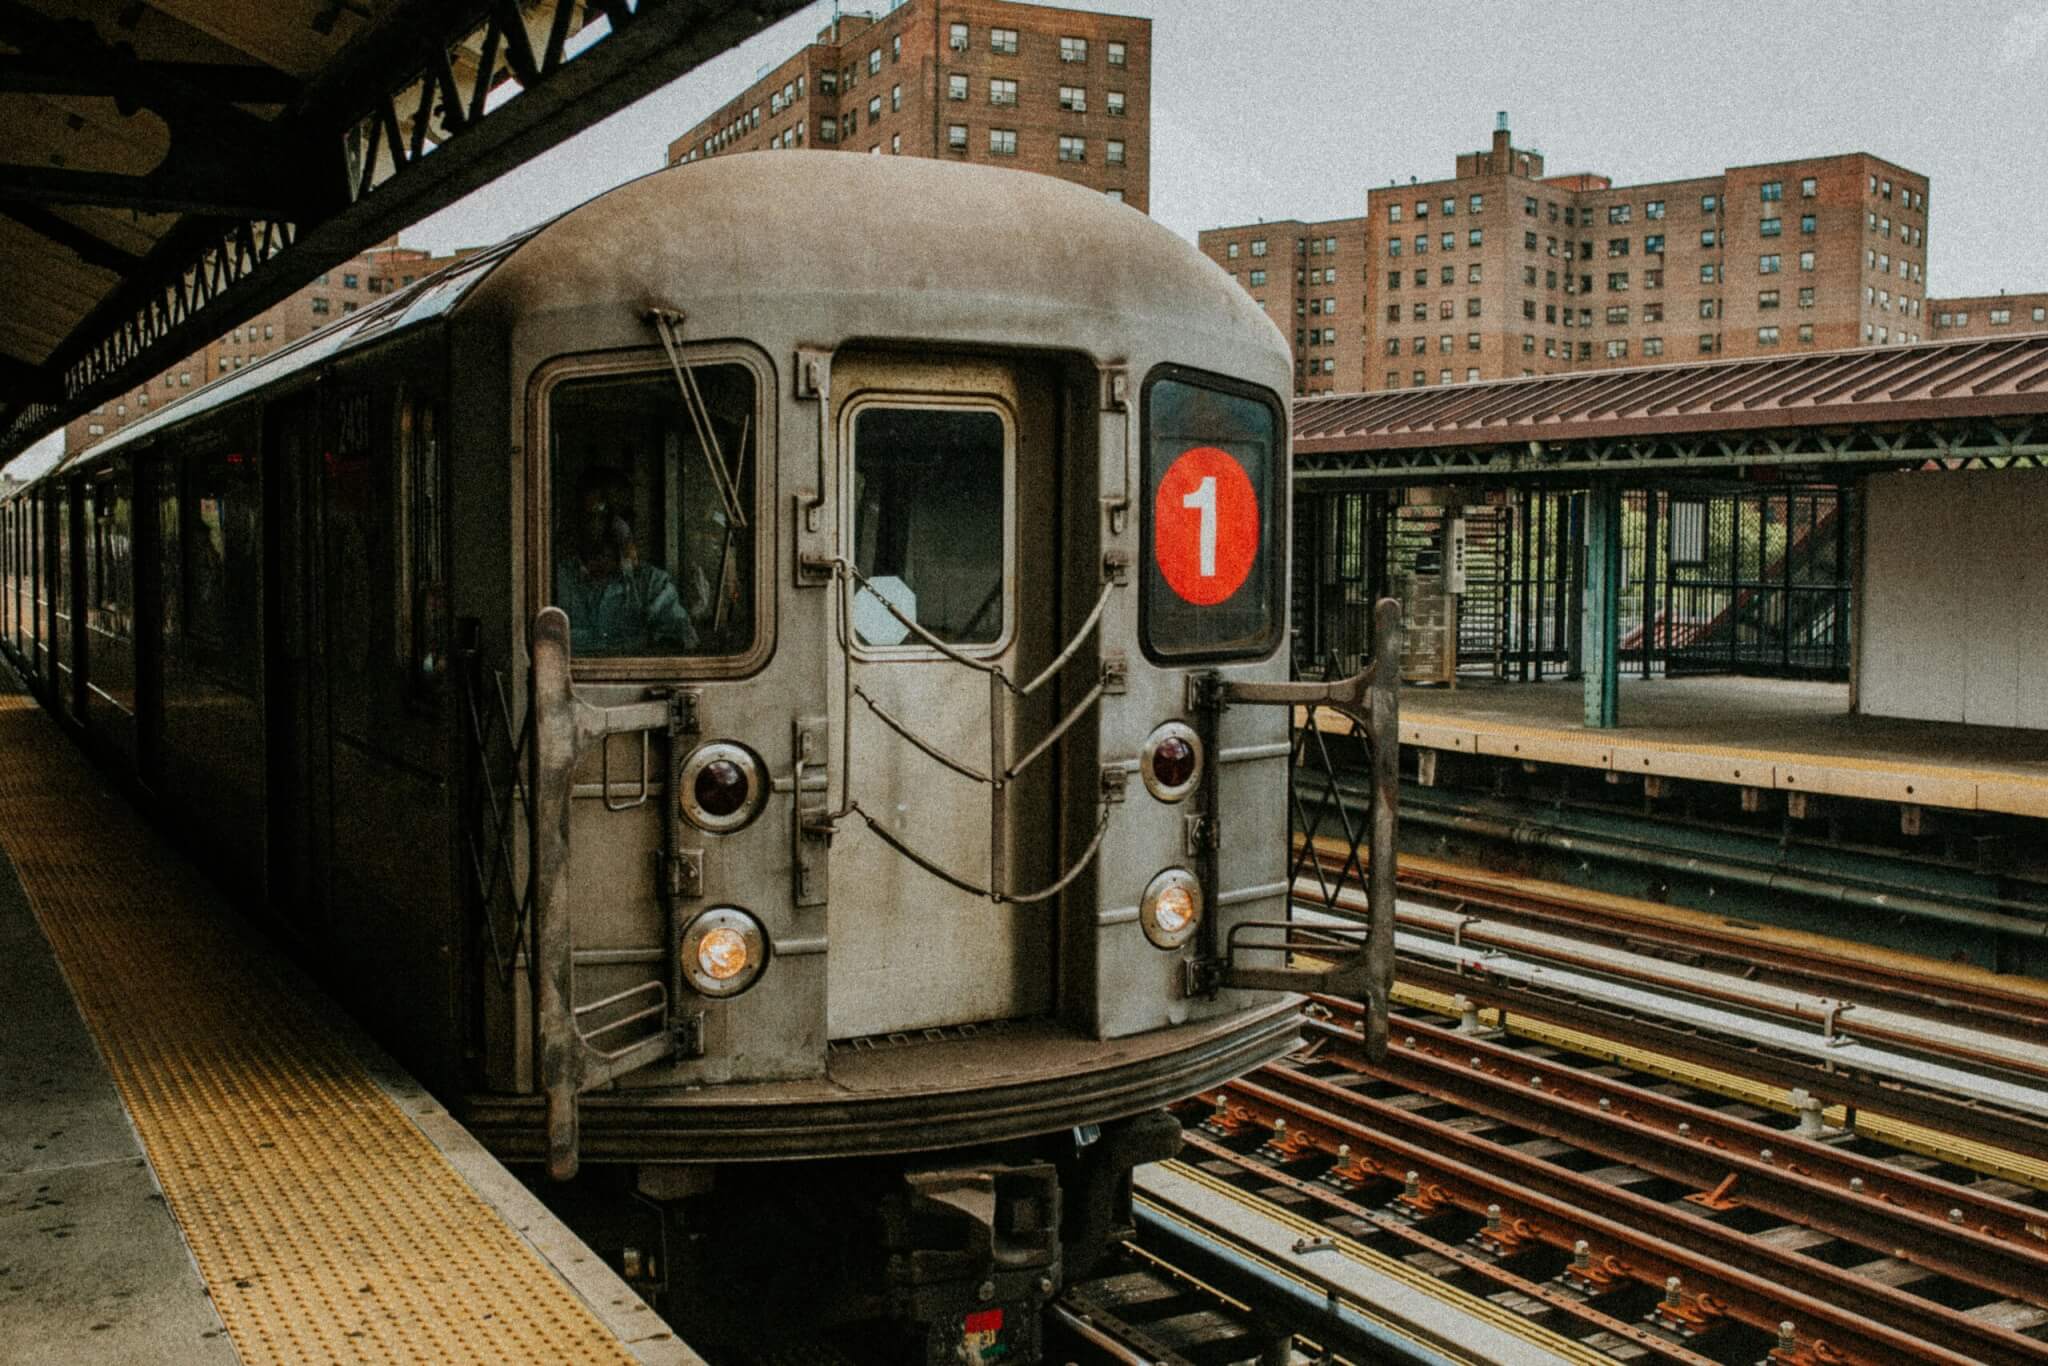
(2006, 1006)
(1721, 1271)
(1566, 1302)
(1976, 1238)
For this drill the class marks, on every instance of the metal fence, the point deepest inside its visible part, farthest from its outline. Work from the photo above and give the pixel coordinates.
(1715, 579)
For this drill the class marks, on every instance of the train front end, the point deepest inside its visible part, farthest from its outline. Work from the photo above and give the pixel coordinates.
(901, 550)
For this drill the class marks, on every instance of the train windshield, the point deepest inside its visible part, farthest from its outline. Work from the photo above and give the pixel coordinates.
(1213, 518)
(652, 511)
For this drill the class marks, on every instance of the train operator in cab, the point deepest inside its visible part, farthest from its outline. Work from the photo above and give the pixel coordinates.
(616, 604)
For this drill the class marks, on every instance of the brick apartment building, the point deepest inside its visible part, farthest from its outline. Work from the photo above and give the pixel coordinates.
(1056, 91)
(1987, 315)
(1310, 279)
(1503, 269)
(339, 292)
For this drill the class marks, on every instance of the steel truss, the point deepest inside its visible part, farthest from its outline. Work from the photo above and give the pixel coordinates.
(442, 99)
(1957, 444)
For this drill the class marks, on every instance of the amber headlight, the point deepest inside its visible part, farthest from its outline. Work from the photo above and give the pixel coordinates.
(1172, 908)
(723, 952)
(721, 787)
(1171, 763)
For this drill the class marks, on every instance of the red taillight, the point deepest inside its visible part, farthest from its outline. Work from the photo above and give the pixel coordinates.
(721, 788)
(1173, 762)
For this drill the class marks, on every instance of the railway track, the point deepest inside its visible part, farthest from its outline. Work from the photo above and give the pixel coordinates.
(1732, 1240)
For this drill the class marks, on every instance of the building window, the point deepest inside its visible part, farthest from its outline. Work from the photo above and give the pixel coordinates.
(1393, 213)
(1421, 312)
(1706, 237)
(1808, 224)
(1617, 280)
(875, 62)
(1706, 343)
(1808, 188)
(319, 305)
(1529, 309)
(875, 109)
(1653, 245)
(1528, 344)
(1421, 379)
(1710, 203)
(1472, 274)
(956, 87)
(956, 38)
(896, 48)
(1475, 237)
(1767, 265)
(1620, 213)
(1393, 246)
(1002, 142)
(1806, 296)
(1653, 346)
(896, 144)
(1115, 101)
(1421, 244)
(2000, 316)
(1653, 313)
(1073, 49)
(1529, 205)
(1767, 336)
(1770, 227)
(1806, 260)
(1002, 92)
(348, 282)
(1617, 246)
(1654, 209)
(1476, 204)
(1258, 277)
(1421, 209)
(1115, 154)
(1443, 343)
(1258, 246)
(999, 39)
(1617, 349)
(1076, 149)
(1806, 333)
(1708, 309)
(1767, 298)
(1528, 241)
(2041, 315)
(1074, 98)
(895, 98)
(1771, 191)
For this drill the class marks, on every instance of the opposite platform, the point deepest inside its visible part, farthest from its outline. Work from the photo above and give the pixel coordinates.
(1747, 732)
(332, 1210)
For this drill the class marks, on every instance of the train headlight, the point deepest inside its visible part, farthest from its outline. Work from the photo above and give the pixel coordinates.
(1172, 908)
(723, 952)
(721, 787)
(1171, 763)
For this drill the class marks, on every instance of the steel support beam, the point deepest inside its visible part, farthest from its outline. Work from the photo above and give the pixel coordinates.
(1601, 632)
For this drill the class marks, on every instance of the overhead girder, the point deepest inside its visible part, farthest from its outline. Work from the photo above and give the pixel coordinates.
(408, 117)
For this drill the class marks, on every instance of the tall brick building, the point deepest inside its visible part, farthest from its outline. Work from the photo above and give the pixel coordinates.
(339, 292)
(1503, 269)
(1987, 315)
(1310, 279)
(1057, 91)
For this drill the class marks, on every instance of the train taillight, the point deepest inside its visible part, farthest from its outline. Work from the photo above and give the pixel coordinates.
(1172, 761)
(1171, 908)
(721, 787)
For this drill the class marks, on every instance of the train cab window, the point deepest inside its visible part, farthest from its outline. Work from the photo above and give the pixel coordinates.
(653, 507)
(1213, 519)
(928, 500)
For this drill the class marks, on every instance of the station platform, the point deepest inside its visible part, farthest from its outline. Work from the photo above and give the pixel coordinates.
(202, 1161)
(1785, 735)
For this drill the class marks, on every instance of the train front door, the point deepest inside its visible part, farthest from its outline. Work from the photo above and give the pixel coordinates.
(949, 490)
(299, 775)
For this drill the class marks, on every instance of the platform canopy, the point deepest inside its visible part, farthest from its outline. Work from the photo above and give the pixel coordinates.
(1959, 404)
(173, 167)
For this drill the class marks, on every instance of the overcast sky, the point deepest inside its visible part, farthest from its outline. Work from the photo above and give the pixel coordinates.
(1292, 108)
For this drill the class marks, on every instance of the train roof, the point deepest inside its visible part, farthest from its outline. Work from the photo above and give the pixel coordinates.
(864, 243)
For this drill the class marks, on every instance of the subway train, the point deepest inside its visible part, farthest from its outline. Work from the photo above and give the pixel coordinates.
(768, 690)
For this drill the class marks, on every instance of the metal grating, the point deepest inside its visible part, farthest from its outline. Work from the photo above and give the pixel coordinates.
(325, 1224)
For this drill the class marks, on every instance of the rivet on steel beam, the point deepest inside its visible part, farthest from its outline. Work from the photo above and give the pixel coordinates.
(1536, 1081)
(1410, 1041)
(1582, 1256)
(1606, 1104)
(1279, 1129)
(1475, 1060)
(1411, 1184)
(1684, 1130)
(1955, 1216)
(1856, 1184)
(1493, 1218)
(1766, 1155)
(1343, 1152)
(1788, 1336)
(1672, 1300)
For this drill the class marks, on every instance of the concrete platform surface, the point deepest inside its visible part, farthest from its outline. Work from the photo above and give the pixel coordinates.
(1775, 733)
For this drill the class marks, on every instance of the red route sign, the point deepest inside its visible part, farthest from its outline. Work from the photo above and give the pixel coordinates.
(1205, 525)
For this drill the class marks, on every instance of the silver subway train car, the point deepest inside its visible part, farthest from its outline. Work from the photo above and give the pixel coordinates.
(768, 689)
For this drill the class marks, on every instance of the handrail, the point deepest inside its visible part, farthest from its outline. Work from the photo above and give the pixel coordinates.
(995, 895)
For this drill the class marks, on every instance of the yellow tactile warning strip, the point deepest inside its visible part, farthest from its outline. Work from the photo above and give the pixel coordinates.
(2024, 1168)
(1957, 786)
(327, 1227)
(1421, 1282)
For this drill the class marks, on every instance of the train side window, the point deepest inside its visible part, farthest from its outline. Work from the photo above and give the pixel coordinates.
(1213, 518)
(928, 522)
(652, 511)
(222, 570)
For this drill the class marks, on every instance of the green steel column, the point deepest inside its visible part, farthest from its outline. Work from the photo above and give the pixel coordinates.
(1602, 621)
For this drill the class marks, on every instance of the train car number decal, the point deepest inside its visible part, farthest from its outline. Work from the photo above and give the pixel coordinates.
(1205, 525)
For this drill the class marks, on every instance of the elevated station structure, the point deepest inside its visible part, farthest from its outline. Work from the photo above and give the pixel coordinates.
(172, 169)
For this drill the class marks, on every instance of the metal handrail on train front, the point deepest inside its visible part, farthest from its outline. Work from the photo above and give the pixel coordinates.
(571, 1062)
(1001, 771)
